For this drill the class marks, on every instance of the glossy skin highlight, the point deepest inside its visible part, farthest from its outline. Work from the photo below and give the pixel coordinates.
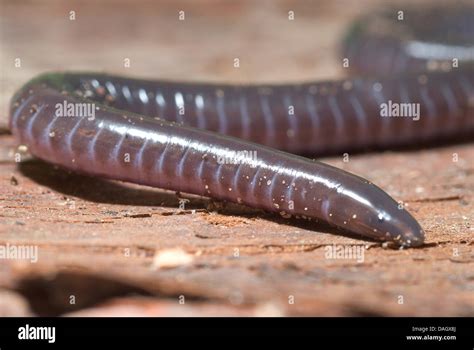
(168, 155)
(159, 126)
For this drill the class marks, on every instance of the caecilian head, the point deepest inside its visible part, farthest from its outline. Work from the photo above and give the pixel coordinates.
(390, 221)
(361, 207)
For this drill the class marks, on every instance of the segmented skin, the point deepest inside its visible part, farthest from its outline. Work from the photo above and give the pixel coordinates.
(316, 118)
(220, 141)
(168, 155)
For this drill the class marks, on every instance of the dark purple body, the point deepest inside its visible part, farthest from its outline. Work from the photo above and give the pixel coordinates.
(152, 133)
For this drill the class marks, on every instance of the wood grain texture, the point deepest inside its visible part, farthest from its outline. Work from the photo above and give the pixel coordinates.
(100, 241)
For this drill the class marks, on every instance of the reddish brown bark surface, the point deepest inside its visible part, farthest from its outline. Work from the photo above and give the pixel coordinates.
(109, 248)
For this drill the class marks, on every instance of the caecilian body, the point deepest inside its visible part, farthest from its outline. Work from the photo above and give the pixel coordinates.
(230, 142)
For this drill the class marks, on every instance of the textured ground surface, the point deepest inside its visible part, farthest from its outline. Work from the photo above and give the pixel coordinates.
(107, 248)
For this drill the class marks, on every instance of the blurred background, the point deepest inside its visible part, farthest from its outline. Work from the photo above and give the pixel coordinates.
(100, 35)
(102, 240)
